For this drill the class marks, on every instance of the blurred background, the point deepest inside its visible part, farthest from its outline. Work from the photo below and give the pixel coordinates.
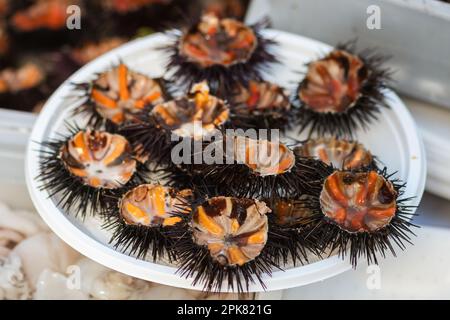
(38, 52)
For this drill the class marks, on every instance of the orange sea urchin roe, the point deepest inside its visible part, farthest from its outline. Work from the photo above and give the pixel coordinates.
(154, 205)
(261, 96)
(217, 41)
(195, 115)
(100, 159)
(358, 202)
(342, 154)
(263, 157)
(120, 94)
(234, 230)
(333, 83)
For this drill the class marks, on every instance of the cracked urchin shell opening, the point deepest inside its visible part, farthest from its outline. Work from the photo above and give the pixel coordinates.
(68, 169)
(188, 119)
(141, 218)
(341, 154)
(263, 157)
(234, 230)
(222, 51)
(153, 205)
(358, 202)
(225, 243)
(332, 84)
(341, 92)
(120, 95)
(215, 41)
(260, 104)
(99, 159)
(361, 214)
(194, 116)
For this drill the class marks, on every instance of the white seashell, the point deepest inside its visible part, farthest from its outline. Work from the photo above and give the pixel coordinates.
(54, 285)
(8, 240)
(13, 284)
(103, 283)
(24, 222)
(44, 251)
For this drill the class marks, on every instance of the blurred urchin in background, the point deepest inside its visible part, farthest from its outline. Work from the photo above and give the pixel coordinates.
(38, 51)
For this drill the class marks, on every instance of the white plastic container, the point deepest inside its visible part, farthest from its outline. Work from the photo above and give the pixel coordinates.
(394, 139)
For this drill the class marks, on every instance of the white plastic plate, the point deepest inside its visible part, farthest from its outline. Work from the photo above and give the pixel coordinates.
(393, 139)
